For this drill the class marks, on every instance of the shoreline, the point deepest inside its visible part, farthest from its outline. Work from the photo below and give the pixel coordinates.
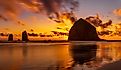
(54, 41)
(38, 41)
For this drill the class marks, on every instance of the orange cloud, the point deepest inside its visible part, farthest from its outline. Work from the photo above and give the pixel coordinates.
(117, 12)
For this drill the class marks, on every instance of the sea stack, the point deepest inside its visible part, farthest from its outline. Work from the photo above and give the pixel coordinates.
(10, 37)
(24, 36)
(83, 31)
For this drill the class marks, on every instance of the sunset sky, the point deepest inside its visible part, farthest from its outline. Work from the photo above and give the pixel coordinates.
(28, 19)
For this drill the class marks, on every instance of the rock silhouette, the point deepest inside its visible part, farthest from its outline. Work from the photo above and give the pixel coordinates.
(83, 31)
(24, 36)
(10, 37)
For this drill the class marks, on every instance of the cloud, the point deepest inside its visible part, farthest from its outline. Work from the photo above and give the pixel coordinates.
(32, 30)
(14, 7)
(96, 21)
(4, 34)
(10, 10)
(117, 12)
(60, 33)
(3, 18)
(20, 23)
(33, 34)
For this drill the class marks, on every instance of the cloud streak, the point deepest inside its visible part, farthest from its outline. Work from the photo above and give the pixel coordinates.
(117, 12)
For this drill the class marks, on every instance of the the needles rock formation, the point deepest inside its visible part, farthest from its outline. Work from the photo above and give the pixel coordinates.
(25, 36)
(10, 37)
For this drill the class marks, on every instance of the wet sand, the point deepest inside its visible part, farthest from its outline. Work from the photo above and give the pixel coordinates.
(112, 66)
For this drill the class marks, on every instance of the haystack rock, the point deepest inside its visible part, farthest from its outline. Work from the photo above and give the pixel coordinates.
(83, 31)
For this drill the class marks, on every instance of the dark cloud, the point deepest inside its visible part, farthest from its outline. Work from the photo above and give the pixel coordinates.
(3, 34)
(107, 32)
(59, 33)
(32, 30)
(33, 34)
(60, 17)
(96, 21)
(20, 23)
(105, 25)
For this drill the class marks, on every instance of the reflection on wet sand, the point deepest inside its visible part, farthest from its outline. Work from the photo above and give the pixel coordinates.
(34, 57)
(58, 56)
(82, 54)
(110, 55)
(109, 51)
(94, 56)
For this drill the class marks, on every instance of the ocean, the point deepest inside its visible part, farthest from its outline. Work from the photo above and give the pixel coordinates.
(58, 56)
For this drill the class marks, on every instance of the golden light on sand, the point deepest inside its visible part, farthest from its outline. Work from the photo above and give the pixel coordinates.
(113, 51)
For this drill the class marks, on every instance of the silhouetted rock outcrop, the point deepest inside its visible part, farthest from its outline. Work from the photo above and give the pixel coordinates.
(83, 31)
(24, 36)
(10, 37)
